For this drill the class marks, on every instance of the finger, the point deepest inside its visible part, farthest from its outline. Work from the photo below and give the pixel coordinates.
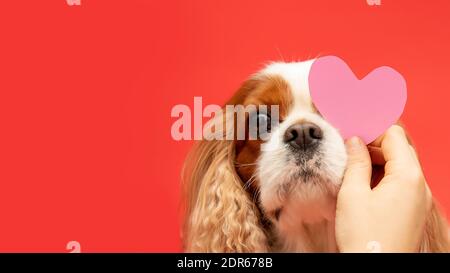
(395, 148)
(377, 142)
(376, 154)
(414, 156)
(428, 193)
(359, 165)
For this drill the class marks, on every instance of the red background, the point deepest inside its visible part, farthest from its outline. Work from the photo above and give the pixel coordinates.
(86, 92)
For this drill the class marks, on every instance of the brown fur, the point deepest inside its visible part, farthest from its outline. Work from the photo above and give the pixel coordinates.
(221, 209)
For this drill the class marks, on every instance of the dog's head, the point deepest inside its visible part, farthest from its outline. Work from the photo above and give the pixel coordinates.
(303, 160)
(259, 177)
(294, 166)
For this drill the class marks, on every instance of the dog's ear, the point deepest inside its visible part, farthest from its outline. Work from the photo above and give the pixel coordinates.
(435, 239)
(219, 214)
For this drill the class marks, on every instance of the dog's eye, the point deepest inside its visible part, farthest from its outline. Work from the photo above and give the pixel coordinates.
(260, 125)
(264, 123)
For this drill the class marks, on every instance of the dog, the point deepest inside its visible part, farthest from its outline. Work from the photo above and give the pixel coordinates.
(277, 194)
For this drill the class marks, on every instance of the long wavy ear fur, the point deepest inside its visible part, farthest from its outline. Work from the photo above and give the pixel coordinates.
(435, 238)
(219, 214)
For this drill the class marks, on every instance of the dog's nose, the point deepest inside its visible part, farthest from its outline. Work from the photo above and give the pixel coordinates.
(303, 135)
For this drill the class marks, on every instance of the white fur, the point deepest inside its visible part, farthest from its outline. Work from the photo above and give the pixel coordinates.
(306, 222)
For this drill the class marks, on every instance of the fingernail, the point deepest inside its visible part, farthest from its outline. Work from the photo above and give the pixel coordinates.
(354, 143)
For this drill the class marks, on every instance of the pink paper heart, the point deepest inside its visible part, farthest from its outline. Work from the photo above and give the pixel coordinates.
(364, 108)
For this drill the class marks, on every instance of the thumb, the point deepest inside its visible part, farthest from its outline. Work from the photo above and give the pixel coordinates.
(359, 165)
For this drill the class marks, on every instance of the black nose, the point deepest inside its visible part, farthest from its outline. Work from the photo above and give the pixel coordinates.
(303, 135)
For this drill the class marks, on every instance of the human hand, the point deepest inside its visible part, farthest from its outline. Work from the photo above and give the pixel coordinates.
(394, 212)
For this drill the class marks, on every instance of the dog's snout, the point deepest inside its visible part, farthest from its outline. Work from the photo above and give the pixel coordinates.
(303, 135)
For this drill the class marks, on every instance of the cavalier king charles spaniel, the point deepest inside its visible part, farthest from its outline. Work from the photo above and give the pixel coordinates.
(277, 194)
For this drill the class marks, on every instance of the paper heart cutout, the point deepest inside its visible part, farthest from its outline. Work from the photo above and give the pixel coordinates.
(364, 108)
